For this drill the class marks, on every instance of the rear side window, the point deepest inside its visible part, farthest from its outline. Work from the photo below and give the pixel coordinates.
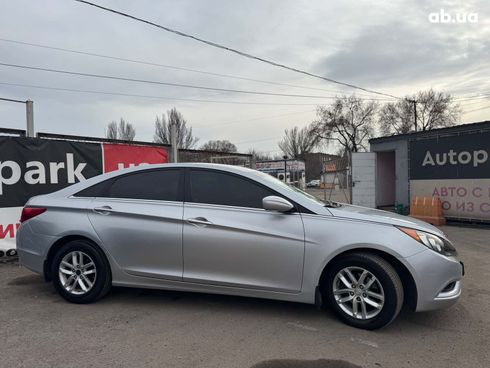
(162, 185)
(96, 190)
(214, 187)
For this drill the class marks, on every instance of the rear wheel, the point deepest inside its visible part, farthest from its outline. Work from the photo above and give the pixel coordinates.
(364, 290)
(81, 273)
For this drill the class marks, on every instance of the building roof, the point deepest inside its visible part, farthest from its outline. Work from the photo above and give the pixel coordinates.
(482, 125)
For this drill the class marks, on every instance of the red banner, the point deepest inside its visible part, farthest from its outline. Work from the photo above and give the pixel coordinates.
(121, 156)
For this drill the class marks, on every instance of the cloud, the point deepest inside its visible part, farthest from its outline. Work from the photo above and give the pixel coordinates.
(394, 54)
(386, 45)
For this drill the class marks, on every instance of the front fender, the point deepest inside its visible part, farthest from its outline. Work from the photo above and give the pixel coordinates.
(327, 237)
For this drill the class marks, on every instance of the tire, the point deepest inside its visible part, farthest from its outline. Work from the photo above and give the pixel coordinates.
(90, 279)
(378, 299)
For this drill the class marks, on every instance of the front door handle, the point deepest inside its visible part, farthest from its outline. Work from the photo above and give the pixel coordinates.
(104, 210)
(199, 221)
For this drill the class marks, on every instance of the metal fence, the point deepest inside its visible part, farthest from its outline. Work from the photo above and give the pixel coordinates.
(336, 181)
(12, 132)
(184, 155)
(227, 158)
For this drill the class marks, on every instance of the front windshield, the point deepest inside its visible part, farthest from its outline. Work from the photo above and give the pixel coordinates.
(291, 188)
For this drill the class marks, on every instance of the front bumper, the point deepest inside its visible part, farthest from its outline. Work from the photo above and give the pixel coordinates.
(438, 280)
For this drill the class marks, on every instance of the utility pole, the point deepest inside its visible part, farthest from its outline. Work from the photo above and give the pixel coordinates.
(285, 167)
(29, 114)
(173, 140)
(30, 118)
(414, 112)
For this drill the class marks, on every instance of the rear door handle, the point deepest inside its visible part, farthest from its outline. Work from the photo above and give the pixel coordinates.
(199, 221)
(104, 210)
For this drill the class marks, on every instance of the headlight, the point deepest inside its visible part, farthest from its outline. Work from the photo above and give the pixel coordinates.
(431, 241)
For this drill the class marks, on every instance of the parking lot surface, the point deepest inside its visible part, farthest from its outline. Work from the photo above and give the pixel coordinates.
(145, 328)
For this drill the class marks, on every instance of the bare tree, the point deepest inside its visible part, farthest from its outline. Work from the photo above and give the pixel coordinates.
(163, 130)
(124, 130)
(434, 110)
(111, 130)
(348, 121)
(297, 142)
(397, 117)
(219, 146)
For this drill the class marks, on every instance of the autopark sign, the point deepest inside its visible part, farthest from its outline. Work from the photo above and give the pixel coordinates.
(456, 169)
(33, 166)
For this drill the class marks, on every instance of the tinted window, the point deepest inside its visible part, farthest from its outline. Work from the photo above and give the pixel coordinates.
(220, 188)
(96, 190)
(157, 185)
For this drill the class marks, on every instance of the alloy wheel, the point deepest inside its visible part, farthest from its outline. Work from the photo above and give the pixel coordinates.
(77, 273)
(358, 292)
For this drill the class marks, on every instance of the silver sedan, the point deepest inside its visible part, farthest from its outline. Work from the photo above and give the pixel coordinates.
(231, 230)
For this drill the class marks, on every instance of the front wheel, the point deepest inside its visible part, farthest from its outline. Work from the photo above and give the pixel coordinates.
(364, 290)
(81, 272)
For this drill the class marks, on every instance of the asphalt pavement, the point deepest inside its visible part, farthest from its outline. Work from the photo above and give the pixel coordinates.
(146, 328)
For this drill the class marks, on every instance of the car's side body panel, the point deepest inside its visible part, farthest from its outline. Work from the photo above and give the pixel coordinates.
(244, 247)
(143, 236)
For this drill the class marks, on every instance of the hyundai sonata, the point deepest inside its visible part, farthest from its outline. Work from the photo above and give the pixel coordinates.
(232, 230)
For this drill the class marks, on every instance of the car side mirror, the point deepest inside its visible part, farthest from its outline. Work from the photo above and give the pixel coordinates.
(275, 203)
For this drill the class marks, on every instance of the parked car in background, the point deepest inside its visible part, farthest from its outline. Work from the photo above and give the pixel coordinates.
(313, 183)
(237, 231)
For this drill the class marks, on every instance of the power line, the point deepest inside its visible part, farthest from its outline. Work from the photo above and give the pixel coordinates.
(468, 91)
(473, 103)
(162, 97)
(264, 139)
(252, 119)
(102, 76)
(163, 65)
(478, 109)
(229, 49)
(11, 100)
(152, 97)
(257, 140)
(471, 98)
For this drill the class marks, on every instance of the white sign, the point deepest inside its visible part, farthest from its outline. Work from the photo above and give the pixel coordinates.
(460, 198)
(9, 223)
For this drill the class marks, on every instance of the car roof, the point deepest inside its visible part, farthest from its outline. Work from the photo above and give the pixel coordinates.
(201, 165)
(101, 177)
(197, 165)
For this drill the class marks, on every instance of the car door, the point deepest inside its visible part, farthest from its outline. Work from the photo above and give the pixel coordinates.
(230, 240)
(138, 218)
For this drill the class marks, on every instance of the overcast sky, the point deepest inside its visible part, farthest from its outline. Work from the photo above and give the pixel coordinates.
(390, 46)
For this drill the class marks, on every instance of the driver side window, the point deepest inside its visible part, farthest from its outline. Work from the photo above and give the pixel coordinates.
(214, 187)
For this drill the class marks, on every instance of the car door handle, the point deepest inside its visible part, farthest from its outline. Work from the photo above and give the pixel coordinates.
(199, 221)
(104, 210)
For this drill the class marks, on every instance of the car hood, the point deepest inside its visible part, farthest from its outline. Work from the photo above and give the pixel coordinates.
(385, 217)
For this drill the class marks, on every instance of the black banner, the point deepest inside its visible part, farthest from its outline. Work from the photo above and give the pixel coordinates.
(31, 166)
(465, 156)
